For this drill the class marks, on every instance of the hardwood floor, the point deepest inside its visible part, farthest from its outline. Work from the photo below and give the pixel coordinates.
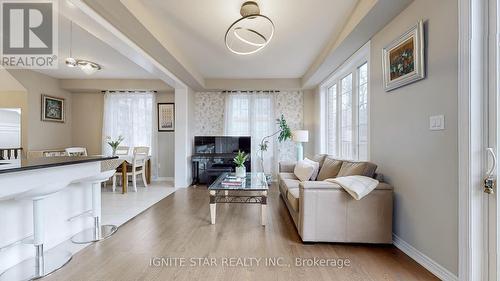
(179, 227)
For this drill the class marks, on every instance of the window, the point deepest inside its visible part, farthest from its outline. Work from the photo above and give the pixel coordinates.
(346, 102)
(252, 114)
(346, 118)
(128, 114)
(332, 120)
(363, 112)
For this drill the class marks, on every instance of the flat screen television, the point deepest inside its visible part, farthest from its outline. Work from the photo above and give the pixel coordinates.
(221, 145)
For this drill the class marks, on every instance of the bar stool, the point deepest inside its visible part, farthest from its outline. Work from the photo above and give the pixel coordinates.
(43, 263)
(98, 232)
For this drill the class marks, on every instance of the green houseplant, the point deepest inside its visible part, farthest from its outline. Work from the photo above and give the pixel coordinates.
(284, 133)
(240, 160)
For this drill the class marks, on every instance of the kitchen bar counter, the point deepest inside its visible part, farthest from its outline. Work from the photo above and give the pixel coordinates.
(64, 212)
(16, 165)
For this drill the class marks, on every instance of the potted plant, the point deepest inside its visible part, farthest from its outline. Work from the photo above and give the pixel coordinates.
(284, 134)
(114, 143)
(239, 160)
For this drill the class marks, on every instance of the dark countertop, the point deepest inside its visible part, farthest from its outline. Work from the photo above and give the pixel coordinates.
(11, 166)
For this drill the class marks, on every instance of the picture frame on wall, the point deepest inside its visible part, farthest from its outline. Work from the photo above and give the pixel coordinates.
(403, 59)
(52, 109)
(166, 117)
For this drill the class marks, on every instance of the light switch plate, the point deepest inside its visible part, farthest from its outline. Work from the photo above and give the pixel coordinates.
(436, 123)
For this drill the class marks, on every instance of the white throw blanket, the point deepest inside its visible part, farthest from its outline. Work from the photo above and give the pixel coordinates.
(357, 186)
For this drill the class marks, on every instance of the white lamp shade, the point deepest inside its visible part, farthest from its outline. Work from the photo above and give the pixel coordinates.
(300, 136)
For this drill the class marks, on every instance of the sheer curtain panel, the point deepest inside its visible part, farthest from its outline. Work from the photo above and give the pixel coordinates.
(130, 114)
(252, 114)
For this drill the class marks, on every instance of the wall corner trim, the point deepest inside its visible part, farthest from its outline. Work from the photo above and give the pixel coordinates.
(429, 264)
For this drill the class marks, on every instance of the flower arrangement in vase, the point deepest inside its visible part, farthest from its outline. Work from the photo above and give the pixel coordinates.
(114, 143)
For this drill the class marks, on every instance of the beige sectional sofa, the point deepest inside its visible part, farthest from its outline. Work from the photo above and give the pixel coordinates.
(324, 212)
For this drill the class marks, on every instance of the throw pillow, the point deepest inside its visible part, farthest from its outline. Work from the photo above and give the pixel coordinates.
(350, 168)
(320, 158)
(316, 168)
(330, 169)
(303, 170)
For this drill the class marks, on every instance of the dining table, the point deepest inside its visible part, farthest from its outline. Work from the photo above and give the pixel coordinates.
(123, 161)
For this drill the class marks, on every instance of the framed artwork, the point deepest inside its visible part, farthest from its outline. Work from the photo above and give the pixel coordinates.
(166, 117)
(403, 59)
(52, 109)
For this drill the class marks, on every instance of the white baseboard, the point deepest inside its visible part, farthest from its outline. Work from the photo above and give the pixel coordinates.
(436, 269)
(163, 179)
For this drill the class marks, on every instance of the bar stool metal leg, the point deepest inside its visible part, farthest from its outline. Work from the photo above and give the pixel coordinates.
(98, 232)
(44, 263)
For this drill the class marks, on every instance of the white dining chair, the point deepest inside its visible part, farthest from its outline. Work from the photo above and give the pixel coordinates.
(138, 167)
(122, 150)
(76, 151)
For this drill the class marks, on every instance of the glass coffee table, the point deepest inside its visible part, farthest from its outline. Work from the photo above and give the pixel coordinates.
(252, 190)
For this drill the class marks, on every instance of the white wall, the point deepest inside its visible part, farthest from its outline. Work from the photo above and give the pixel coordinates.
(44, 135)
(183, 150)
(86, 117)
(419, 163)
(311, 122)
(166, 146)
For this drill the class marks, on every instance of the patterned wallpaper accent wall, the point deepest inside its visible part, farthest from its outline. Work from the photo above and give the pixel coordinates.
(210, 106)
(291, 105)
(209, 110)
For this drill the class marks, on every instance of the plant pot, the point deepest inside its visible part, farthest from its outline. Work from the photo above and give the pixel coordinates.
(241, 172)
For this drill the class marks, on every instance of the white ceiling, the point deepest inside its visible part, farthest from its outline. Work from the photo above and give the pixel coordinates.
(194, 31)
(86, 46)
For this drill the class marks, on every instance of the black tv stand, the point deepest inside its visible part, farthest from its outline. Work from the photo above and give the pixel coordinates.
(207, 167)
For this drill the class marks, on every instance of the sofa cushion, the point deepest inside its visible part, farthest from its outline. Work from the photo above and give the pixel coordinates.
(286, 166)
(350, 168)
(320, 158)
(316, 168)
(287, 176)
(330, 169)
(290, 184)
(293, 198)
(303, 170)
(286, 184)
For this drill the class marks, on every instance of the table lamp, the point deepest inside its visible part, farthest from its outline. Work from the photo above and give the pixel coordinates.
(300, 136)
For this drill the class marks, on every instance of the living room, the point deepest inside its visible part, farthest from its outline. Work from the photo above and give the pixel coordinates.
(308, 140)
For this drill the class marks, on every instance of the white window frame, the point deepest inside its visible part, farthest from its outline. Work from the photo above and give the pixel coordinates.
(351, 65)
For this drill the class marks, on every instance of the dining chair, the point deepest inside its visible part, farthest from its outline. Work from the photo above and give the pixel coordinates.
(122, 150)
(137, 168)
(76, 151)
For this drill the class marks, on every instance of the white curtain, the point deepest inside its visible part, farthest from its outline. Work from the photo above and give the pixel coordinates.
(251, 113)
(130, 114)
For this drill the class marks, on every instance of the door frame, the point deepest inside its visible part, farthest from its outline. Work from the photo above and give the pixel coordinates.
(492, 138)
(473, 88)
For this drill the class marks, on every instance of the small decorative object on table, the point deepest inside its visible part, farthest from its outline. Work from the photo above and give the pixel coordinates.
(233, 181)
(114, 143)
(239, 160)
